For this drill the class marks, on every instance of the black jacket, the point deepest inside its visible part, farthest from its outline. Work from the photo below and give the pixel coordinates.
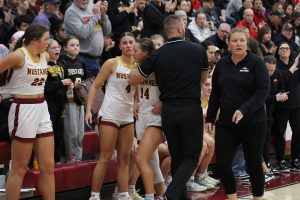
(153, 18)
(243, 87)
(276, 86)
(55, 91)
(291, 83)
(74, 70)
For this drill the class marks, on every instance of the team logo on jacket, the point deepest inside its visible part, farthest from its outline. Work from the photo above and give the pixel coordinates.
(244, 69)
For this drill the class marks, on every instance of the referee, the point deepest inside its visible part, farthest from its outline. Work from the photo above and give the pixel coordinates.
(179, 68)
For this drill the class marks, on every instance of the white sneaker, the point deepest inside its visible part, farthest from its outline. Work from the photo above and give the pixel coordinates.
(204, 181)
(192, 186)
(135, 196)
(125, 198)
(94, 198)
(115, 195)
(212, 180)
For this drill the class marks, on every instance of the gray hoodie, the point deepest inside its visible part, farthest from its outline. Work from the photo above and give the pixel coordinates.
(88, 28)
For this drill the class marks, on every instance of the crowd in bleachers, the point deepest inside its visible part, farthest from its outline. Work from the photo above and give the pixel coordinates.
(85, 34)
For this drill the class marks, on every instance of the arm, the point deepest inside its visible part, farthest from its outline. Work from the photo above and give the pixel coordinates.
(214, 99)
(135, 77)
(139, 74)
(105, 71)
(106, 24)
(14, 59)
(261, 89)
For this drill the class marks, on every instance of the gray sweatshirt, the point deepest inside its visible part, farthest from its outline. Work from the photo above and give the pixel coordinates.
(88, 28)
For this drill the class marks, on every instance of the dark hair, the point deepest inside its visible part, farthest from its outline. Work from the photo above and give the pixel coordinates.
(270, 59)
(56, 24)
(18, 20)
(276, 53)
(67, 39)
(254, 47)
(171, 22)
(33, 32)
(146, 45)
(126, 34)
(207, 43)
(262, 31)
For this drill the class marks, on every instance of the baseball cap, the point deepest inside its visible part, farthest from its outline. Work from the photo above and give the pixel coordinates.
(287, 27)
(277, 13)
(52, 1)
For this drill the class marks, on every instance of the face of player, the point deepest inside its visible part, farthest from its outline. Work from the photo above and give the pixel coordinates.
(126, 45)
(72, 48)
(206, 87)
(42, 43)
(139, 55)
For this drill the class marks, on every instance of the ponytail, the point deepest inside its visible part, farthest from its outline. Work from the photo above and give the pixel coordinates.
(19, 42)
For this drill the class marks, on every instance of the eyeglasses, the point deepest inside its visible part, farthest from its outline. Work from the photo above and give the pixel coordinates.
(284, 48)
(224, 31)
(55, 47)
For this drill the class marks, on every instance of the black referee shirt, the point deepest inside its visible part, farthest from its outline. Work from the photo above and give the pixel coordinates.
(177, 66)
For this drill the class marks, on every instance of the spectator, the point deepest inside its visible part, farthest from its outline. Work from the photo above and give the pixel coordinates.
(55, 94)
(154, 15)
(233, 7)
(259, 17)
(121, 14)
(286, 35)
(246, 4)
(296, 23)
(266, 45)
(89, 23)
(57, 30)
(211, 15)
(220, 38)
(288, 110)
(51, 9)
(188, 34)
(274, 20)
(74, 110)
(201, 28)
(248, 22)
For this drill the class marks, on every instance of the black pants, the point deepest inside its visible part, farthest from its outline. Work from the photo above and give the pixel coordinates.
(267, 140)
(281, 117)
(183, 126)
(58, 130)
(252, 138)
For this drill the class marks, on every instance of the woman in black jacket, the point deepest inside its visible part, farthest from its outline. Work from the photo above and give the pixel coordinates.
(288, 110)
(240, 86)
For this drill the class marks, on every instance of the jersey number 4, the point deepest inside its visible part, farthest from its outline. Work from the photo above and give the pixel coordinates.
(38, 81)
(145, 93)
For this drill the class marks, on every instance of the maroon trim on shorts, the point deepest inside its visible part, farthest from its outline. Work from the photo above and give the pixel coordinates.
(28, 101)
(122, 126)
(159, 127)
(23, 140)
(107, 123)
(16, 121)
(41, 135)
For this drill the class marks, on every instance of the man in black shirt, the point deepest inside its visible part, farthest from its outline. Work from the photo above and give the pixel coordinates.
(179, 67)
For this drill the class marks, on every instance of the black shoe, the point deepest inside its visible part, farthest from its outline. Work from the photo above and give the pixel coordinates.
(269, 176)
(272, 169)
(283, 167)
(295, 165)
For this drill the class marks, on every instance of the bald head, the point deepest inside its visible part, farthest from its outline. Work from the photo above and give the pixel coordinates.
(248, 15)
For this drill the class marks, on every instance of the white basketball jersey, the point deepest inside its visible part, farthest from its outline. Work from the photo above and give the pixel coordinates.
(119, 95)
(148, 94)
(28, 79)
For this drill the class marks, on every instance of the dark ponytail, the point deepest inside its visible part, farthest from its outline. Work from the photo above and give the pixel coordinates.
(19, 43)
